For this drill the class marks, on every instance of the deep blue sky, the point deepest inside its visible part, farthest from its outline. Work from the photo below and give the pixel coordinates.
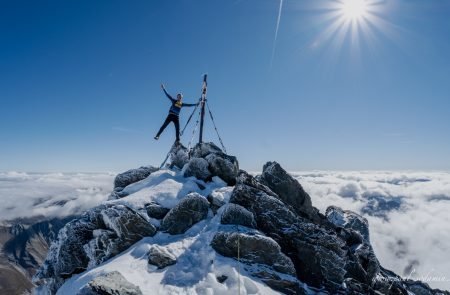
(79, 83)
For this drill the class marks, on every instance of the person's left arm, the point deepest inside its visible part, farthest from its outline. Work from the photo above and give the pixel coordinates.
(190, 104)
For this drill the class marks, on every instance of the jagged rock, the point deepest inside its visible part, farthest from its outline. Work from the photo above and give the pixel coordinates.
(160, 257)
(197, 167)
(155, 210)
(99, 234)
(179, 156)
(133, 175)
(219, 164)
(348, 219)
(112, 283)
(253, 248)
(236, 214)
(316, 252)
(287, 188)
(189, 211)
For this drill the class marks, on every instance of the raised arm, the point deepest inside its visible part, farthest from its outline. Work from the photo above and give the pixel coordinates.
(190, 104)
(167, 94)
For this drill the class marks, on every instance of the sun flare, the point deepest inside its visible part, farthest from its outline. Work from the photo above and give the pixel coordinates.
(354, 9)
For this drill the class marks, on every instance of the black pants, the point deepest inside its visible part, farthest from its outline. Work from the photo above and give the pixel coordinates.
(171, 118)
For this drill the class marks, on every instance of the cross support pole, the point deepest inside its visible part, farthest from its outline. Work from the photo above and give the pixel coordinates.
(203, 103)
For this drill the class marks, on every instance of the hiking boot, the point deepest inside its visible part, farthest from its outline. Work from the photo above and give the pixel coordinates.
(156, 137)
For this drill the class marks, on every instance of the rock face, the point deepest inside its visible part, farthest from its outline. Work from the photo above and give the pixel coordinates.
(189, 211)
(179, 156)
(112, 283)
(160, 257)
(96, 236)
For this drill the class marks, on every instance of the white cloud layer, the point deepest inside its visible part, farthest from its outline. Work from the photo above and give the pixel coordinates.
(29, 195)
(408, 213)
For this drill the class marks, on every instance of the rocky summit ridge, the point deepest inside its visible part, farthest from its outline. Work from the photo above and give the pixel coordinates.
(203, 224)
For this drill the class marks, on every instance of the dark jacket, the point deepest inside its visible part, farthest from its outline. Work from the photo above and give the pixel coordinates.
(176, 105)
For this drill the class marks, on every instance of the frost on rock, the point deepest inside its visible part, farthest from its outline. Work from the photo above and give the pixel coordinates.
(179, 156)
(218, 163)
(112, 283)
(155, 210)
(236, 214)
(197, 167)
(264, 256)
(189, 211)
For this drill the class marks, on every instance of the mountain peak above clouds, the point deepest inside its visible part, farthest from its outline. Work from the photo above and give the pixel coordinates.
(202, 224)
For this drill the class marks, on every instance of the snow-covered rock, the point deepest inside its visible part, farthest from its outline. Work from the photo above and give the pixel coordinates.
(133, 175)
(160, 257)
(112, 283)
(189, 211)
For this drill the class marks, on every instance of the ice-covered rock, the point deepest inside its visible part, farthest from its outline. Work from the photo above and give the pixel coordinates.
(189, 211)
(112, 283)
(133, 175)
(197, 167)
(160, 257)
(236, 214)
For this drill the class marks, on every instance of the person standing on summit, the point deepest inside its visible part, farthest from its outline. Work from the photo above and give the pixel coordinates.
(174, 113)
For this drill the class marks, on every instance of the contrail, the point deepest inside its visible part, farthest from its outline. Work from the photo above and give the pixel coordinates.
(276, 33)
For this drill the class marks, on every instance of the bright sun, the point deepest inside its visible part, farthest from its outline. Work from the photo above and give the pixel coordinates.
(354, 9)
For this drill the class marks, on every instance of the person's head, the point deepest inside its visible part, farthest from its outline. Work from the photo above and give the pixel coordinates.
(179, 96)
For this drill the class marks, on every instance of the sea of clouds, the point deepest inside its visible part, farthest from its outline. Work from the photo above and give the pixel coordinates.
(408, 212)
(46, 195)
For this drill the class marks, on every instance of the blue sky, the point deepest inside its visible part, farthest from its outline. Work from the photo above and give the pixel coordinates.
(79, 82)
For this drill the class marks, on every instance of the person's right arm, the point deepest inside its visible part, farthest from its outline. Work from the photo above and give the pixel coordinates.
(167, 94)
